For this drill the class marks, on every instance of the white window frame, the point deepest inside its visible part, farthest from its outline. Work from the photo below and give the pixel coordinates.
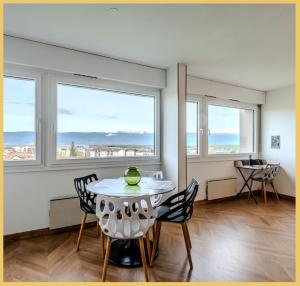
(203, 102)
(20, 72)
(53, 79)
(197, 99)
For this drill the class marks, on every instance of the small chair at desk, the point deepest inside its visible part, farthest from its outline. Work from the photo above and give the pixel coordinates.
(266, 176)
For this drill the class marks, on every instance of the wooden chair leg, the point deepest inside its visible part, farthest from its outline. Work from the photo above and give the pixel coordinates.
(148, 245)
(105, 264)
(153, 231)
(275, 191)
(265, 192)
(142, 250)
(97, 227)
(188, 234)
(155, 243)
(188, 250)
(102, 244)
(81, 231)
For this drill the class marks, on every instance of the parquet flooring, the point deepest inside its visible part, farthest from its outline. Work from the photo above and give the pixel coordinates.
(232, 241)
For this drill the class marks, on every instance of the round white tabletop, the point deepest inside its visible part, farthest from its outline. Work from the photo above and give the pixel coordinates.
(119, 188)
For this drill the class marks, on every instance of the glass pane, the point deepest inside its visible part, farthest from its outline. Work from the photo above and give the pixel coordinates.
(230, 130)
(19, 119)
(192, 128)
(94, 123)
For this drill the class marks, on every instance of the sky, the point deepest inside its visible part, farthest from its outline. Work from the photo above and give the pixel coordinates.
(223, 119)
(90, 110)
(79, 109)
(19, 102)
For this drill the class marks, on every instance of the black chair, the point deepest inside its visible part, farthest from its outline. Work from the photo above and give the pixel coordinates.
(177, 209)
(266, 176)
(87, 201)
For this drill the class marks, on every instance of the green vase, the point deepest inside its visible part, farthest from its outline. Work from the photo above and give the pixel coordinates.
(132, 176)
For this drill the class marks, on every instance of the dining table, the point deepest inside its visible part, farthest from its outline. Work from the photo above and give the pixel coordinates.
(126, 253)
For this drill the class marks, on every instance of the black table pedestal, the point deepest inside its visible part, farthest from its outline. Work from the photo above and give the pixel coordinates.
(126, 253)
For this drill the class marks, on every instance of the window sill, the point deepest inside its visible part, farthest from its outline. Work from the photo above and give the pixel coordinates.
(79, 166)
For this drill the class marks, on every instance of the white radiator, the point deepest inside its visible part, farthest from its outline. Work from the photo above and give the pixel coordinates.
(217, 189)
(66, 212)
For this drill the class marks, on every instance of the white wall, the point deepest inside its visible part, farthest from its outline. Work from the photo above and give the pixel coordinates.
(200, 86)
(38, 55)
(278, 118)
(27, 195)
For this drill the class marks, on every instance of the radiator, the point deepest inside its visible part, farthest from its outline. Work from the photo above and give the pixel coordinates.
(66, 212)
(217, 189)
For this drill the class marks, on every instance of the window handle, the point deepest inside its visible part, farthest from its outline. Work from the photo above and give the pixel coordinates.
(201, 131)
(208, 132)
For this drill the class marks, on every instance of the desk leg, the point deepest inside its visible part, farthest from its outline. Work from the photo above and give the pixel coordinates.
(246, 185)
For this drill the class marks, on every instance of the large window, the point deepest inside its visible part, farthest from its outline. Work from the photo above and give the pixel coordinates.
(95, 123)
(20, 138)
(76, 121)
(192, 128)
(230, 130)
(226, 127)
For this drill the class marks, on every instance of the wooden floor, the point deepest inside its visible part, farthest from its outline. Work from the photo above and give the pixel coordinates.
(232, 241)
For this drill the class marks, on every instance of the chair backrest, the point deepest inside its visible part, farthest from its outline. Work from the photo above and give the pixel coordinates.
(181, 204)
(87, 199)
(270, 172)
(125, 217)
(158, 175)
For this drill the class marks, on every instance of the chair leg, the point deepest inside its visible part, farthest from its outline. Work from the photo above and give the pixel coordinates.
(102, 244)
(81, 231)
(105, 264)
(142, 250)
(148, 245)
(265, 192)
(153, 231)
(155, 243)
(275, 191)
(262, 190)
(188, 250)
(97, 227)
(188, 234)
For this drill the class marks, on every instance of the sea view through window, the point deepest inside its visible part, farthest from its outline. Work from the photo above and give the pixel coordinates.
(93, 123)
(19, 119)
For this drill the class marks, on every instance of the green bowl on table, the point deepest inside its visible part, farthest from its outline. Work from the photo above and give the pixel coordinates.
(132, 176)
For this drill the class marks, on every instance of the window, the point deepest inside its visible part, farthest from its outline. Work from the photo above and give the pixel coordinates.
(230, 127)
(97, 123)
(192, 128)
(230, 130)
(21, 114)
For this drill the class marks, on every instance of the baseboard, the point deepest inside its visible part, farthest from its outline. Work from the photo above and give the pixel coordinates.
(244, 194)
(42, 232)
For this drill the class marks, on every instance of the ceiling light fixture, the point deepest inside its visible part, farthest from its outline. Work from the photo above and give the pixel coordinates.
(114, 11)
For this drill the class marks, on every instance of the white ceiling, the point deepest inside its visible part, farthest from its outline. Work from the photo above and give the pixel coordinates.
(246, 45)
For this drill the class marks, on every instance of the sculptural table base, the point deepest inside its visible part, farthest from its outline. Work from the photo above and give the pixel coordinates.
(126, 253)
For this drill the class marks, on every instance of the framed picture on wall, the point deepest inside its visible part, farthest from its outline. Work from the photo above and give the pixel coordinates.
(275, 142)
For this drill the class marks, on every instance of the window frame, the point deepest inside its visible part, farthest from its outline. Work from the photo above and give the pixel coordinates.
(199, 101)
(20, 72)
(204, 101)
(53, 79)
